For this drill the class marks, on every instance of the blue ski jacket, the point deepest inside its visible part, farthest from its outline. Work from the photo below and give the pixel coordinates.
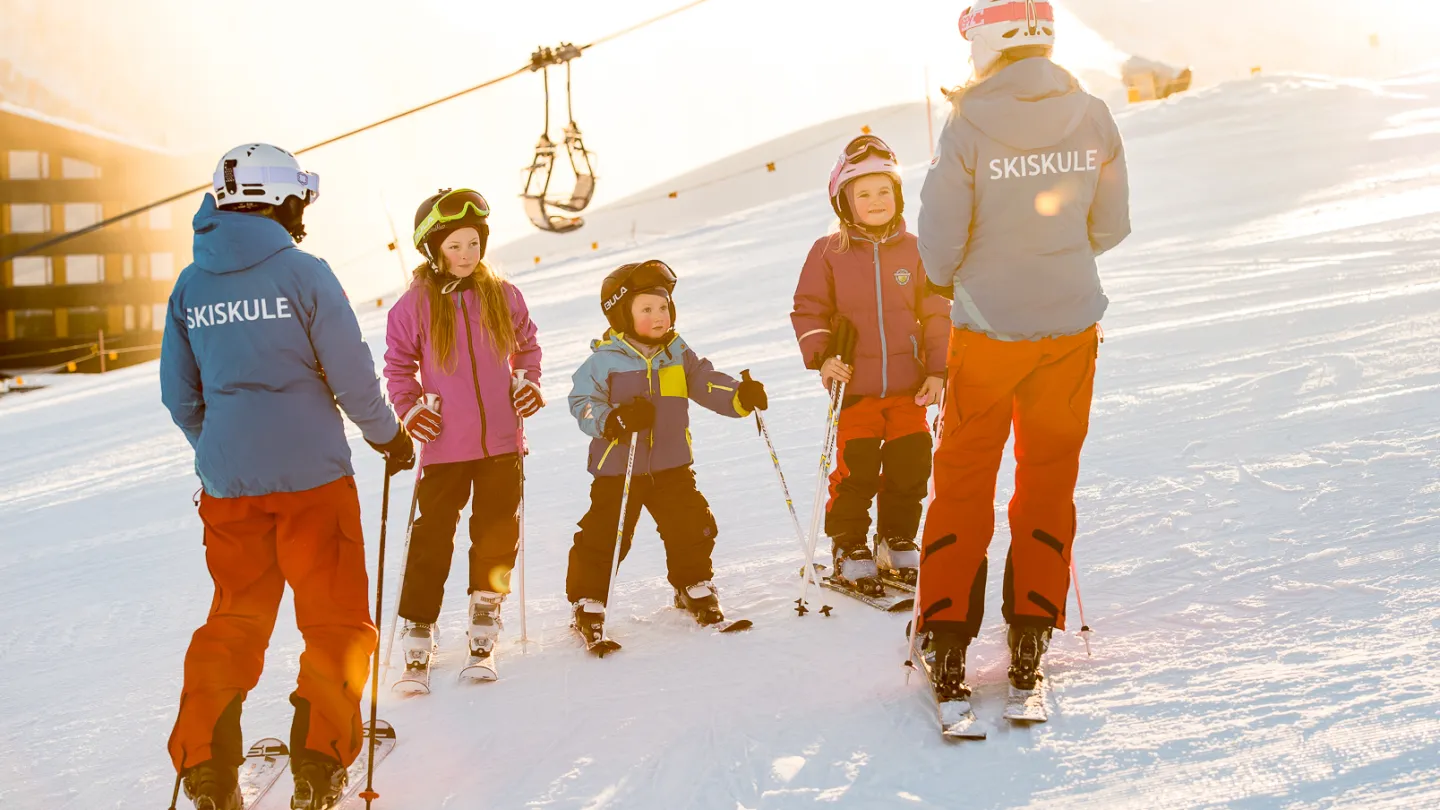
(260, 346)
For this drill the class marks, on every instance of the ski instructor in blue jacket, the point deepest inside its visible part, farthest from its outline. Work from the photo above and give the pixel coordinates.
(260, 347)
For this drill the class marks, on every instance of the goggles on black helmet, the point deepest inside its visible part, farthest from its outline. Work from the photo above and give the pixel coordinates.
(452, 206)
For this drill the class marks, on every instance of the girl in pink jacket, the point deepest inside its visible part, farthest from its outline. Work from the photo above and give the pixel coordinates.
(468, 336)
(869, 277)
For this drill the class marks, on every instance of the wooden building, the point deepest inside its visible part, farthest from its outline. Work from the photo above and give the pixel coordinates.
(58, 176)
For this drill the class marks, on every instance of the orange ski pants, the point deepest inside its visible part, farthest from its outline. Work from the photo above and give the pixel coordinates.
(1044, 388)
(254, 545)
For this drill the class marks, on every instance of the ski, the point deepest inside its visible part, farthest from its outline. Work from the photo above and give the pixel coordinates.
(264, 762)
(1026, 706)
(599, 647)
(889, 602)
(415, 680)
(481, 669)
(732, 626)
(957, 717)
(384, 744)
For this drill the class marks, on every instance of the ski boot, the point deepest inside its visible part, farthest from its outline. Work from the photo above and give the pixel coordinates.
(899, 558)
(319, 782)
(855, 567)
(945, 658)
(213, 787)
(589, 619)
(484, 622)
(702, 600)
(418, 644)
(1027, 646)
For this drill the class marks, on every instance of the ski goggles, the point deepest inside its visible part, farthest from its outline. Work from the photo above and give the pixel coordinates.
(1031, 12)
(234, 178)
(650, 274)
(452, 206)
(867, 145)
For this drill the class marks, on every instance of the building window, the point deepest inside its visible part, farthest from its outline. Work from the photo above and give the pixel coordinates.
(127, 265)
(34, 323)
(86, 321)
(157, 316)
(32, 271)
(29, 166)
(85, 269)
(129, 317)
(160, 218)
(162, 266)
(72, 169)
(29, 217)
(81, 215)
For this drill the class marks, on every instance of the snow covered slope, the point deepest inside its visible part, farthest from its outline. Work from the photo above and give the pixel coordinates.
(1259, 509)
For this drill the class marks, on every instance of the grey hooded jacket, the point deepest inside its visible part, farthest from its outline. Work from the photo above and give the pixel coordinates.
(1027, 187)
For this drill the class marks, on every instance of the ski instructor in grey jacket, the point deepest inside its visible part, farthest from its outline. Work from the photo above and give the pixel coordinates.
(1027, 187)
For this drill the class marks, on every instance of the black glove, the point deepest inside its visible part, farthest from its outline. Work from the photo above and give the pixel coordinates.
(752, 393)
(843, 337)
(399, 452)
(632, 417)
(948, 293)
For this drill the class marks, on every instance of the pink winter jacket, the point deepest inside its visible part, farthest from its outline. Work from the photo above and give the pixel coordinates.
(879, 287)
(475, 404)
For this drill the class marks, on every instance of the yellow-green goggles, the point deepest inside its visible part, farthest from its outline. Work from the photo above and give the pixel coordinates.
(452, 206)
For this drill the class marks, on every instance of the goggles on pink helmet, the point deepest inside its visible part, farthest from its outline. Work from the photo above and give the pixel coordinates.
(867, 154)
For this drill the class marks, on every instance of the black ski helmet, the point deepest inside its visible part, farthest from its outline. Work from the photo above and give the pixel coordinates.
(629, 280)
(428, 243)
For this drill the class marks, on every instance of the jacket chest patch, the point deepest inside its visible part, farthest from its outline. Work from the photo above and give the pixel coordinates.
(902, 277)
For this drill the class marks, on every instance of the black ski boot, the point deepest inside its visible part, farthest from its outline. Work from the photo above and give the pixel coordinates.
(855, 566)
(213, 787)
(702, 600)
(1027, 646)
(319, 783)
(589, 619)
(945, 656)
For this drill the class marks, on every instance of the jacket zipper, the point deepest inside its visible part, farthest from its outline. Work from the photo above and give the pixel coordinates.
(474, 372)
(650, 391)
(880, 314)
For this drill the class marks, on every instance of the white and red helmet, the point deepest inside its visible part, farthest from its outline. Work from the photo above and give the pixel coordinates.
(996, 26)
(867, 154)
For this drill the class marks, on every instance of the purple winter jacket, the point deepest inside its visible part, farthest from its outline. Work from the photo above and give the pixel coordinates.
(475, 404)
(880, 287)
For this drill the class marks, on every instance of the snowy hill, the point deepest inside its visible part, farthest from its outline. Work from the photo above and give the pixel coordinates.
(1258, 512)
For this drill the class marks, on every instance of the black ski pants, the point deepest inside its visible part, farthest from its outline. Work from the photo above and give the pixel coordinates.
(682, 517)
(495, 486)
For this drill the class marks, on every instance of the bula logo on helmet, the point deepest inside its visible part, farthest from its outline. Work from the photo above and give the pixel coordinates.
(629, 280)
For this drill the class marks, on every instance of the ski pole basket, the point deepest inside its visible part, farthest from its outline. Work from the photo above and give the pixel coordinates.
(538, 197)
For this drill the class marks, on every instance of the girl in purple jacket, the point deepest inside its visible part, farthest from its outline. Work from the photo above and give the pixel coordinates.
(868, 275)
(468, 336)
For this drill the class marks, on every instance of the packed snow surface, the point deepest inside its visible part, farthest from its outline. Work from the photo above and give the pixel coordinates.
(1259, 509)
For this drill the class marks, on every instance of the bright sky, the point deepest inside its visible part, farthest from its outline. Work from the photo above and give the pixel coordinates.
(685, 92)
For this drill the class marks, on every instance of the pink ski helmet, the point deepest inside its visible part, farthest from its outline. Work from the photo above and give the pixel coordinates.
(867, 154)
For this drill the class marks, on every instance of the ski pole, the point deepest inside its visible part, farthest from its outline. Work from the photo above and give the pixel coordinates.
(404, 562)
(832, 425)
(620, 532)
(520, 517)
(369, 793)
(1084, 628)
(937, 431)
(784, 487)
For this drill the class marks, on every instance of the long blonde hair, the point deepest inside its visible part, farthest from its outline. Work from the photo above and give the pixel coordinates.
(495, 316)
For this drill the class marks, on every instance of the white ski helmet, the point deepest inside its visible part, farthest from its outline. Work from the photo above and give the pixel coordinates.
(265, 174)
(996, 26)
